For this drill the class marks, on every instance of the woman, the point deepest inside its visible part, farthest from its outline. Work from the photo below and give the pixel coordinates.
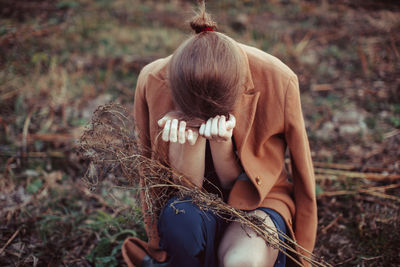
(226, 112)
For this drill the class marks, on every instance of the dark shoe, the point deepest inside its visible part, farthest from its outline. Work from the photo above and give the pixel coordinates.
(135, 253)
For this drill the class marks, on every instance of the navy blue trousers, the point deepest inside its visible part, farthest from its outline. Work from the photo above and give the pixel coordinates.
(191, 236)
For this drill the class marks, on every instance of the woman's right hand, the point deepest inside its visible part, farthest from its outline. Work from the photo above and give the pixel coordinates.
(175, 131)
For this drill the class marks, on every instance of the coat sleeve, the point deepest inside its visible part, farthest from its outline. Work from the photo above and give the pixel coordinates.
(142, 127)
(305, 219)
(141, 115)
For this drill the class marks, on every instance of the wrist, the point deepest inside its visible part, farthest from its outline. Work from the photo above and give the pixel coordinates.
(221, 143)
(223, 150)
(221, 139)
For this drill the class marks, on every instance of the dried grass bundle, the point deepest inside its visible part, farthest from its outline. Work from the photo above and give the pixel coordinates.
(110, 145)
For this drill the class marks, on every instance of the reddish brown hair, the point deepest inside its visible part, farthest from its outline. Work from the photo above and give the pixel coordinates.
(205, 71)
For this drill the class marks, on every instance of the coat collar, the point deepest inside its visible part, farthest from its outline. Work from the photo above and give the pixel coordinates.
(248, 84)
(246, 107)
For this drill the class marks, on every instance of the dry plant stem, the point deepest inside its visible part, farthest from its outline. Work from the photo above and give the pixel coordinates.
(349, 167)
(382, 195)
(391, 134)
(384, 187)
(361, 175)
(331, 224)
(334, 165)
(371, 191)
(110, 145)
(25, 130)
(10, 240)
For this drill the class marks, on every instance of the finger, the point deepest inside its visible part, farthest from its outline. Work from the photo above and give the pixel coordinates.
(181, 133)
(194, 138)
(202, 128)
(173, 134)
(190, 137)
(161, 122)
(222, 126)
(214, 126)
(207, 130)
(165, 133)
(231, 123)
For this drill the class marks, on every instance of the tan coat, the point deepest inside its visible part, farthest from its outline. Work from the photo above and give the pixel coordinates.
(269, 118)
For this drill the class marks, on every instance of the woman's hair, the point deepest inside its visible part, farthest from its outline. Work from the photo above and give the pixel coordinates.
(205, 71)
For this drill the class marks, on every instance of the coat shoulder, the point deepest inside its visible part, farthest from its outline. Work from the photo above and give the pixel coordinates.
(156, 68)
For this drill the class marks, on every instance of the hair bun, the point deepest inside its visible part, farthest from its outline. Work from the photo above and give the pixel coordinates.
(202, 20)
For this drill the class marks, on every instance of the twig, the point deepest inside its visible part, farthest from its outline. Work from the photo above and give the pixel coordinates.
(341, 166)
(336, 193)
(364, 61)
(322, 87)
(370, 191)
(345, 261)
(384, 187)
(350, 167)
(381, 195)
(372, 258)
(332, 223)
(362, 175)
(10, 94)
(7, 167)
(25, 130)
(99, 198)
(391, 134)
(10, 239)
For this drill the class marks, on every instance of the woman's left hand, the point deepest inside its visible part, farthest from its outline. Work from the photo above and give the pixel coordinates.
(218, 128)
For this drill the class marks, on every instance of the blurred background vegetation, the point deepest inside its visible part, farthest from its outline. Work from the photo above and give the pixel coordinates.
(60, 60)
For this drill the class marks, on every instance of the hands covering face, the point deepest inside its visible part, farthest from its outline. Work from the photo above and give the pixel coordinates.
(218, 128)
(214, 129)
(176, 131)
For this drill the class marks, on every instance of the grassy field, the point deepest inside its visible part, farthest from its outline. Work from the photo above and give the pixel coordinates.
(60, 60)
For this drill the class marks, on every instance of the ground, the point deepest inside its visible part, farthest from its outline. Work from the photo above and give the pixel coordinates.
(60, 60)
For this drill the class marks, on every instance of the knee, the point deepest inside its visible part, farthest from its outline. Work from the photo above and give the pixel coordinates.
(180, 222)
(240, 259)
(179, 215)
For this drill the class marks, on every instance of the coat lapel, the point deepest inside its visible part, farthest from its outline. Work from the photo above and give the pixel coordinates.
(244, 114)
(246, 107)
